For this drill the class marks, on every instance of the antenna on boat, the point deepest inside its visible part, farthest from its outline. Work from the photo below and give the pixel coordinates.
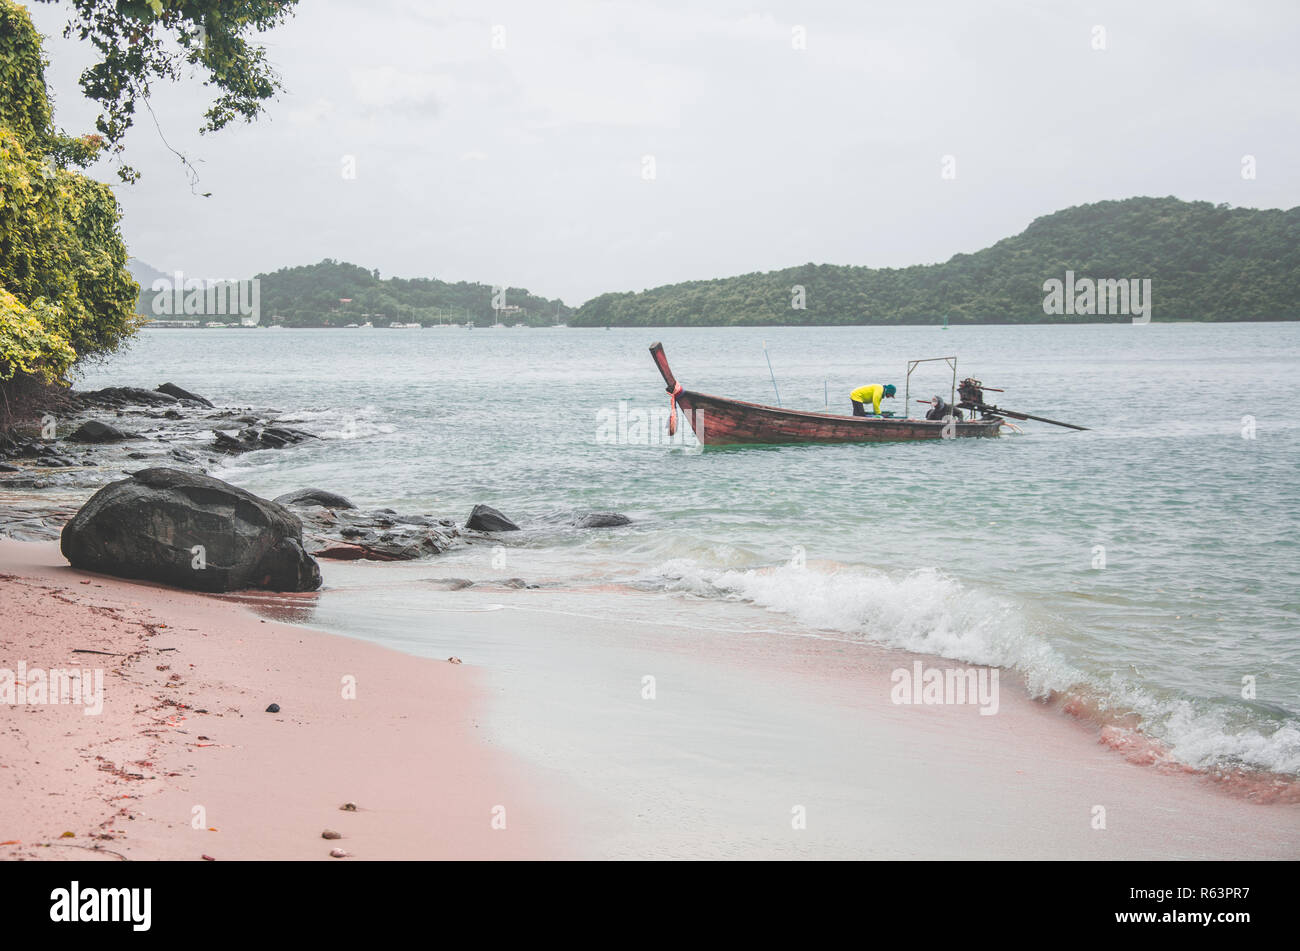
(769, 370)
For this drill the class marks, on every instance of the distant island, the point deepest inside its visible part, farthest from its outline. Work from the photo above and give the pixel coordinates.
(1204, 261)
(337, 294)
(1195, 261)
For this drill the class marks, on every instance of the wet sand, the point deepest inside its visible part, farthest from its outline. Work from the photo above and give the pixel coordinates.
(184, 762)
(642, 732)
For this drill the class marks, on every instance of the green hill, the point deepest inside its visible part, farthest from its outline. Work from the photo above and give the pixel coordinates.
(335, 294)
(1204, 261)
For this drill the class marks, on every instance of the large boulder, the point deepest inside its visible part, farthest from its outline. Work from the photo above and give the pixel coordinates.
(484, 518)
(149, 525)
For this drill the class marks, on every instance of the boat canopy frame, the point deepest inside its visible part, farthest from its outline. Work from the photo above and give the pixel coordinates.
(907, 383)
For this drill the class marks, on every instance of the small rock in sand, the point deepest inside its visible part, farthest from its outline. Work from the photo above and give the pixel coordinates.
(453, 660)
(339, 854)
(349, 807)
(331, 834)
(273, 708)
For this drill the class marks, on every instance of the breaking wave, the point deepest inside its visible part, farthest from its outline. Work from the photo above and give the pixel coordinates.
(928, 611)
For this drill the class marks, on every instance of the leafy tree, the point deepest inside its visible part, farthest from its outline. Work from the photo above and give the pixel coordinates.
(140, 41)
(65, 291)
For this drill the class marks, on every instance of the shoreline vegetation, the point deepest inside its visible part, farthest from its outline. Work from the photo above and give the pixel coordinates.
(1200, 262)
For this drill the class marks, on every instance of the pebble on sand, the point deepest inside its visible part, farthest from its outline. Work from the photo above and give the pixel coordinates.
(273, 708)
(453, 660)
(331, 834)
(349, 807)
(339, 854)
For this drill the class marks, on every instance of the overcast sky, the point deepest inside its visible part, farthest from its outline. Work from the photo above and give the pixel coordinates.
(527, 165)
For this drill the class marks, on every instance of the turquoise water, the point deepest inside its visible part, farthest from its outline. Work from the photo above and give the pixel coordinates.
(980, 550)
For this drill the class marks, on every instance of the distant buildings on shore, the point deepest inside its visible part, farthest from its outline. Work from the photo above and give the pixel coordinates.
(173, 323)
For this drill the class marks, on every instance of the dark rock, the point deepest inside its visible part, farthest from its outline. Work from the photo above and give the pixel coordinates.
(601, 520)
(250, 438)
(341, 551)
(118, 396)
(185, 396)
(52, 460)
(273, 708)
(243, 441)
(485, 518)
(146, 526)
(277, 436)
(450, 584)
(403, 547)
(330, 500)
(6, 467)
(92, 430)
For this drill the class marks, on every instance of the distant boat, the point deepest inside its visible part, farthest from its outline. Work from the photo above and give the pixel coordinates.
(400, 326)
(718, 421)
(350, 326)
(366, 324)
(498, 326)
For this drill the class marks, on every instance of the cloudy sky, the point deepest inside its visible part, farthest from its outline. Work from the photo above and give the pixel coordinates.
(511, 142)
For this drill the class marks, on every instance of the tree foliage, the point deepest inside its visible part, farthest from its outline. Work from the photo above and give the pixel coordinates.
(65, 291)
(1205, 262)
(140, 41)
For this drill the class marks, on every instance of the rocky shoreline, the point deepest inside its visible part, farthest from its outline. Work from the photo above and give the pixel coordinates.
(145, 456)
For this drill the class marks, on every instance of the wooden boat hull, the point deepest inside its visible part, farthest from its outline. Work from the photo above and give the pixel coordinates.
(718, 421)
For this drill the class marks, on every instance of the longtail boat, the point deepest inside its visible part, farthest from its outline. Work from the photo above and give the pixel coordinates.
(718, 421)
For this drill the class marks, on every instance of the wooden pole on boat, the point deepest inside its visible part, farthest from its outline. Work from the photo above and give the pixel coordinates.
(769, 370)
(984, 407)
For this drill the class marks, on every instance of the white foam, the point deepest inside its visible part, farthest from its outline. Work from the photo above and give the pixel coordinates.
(929, 612)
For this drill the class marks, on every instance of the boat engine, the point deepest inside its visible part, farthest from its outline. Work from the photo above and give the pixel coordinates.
(971, 392)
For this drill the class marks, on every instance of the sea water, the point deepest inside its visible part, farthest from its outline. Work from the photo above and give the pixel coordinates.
(1149, 564)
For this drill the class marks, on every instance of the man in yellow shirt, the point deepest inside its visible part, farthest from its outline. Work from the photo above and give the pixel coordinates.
(872, 394)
